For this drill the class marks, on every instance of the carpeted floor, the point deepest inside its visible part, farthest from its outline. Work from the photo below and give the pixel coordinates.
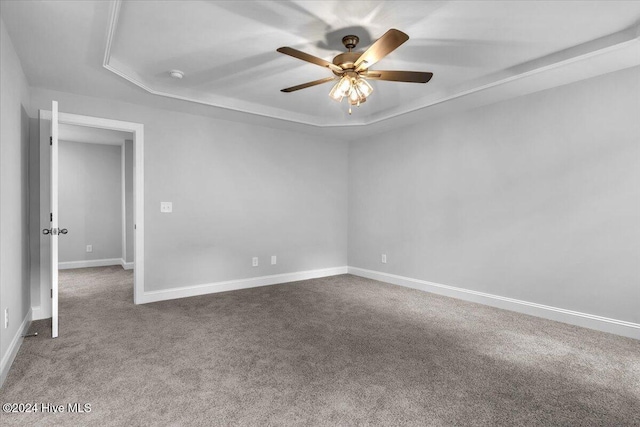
(334, 351)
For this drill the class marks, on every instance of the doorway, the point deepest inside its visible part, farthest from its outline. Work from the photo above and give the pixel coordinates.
(48, 202)
(95, 197)
(95, 194)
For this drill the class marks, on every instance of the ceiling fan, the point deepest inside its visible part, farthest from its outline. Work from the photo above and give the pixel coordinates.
(351, 69)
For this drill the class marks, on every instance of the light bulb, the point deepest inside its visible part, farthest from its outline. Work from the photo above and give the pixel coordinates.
(341, 89)
(344, 85)
(354, 96)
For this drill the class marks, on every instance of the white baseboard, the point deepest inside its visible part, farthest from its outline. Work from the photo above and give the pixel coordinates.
(88, 263)
(126, 265)
(605, 324)
(37, 313)
(232, 285)
(14, 346)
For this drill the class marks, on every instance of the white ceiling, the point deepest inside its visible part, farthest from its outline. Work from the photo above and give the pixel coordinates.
(479, 52)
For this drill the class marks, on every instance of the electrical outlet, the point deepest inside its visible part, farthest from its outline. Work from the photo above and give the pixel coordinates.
(254, 261)
(274, 260)
(166, 207)
(384, 258)
(89, 248)
(6, 318)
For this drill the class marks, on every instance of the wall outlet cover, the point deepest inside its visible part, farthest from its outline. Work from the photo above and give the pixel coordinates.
(89, 248)
(166, 207)
(254, 261)
(274, 260)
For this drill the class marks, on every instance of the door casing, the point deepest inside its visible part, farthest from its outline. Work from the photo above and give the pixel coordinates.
(44, 311)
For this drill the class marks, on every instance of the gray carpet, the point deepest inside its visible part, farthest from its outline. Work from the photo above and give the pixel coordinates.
(335, 351)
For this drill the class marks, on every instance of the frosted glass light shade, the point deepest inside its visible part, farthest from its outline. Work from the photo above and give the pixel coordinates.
(364, 87)
(341, 89)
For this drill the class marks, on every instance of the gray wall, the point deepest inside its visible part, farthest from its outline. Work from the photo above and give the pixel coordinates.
(14, 193)
(536, 198)
(90, 201)
(128, 180)
(35, 231)
(238, 191)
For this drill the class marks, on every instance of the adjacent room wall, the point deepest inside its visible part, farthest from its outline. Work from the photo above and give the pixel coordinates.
(14, 202)
(90, 201)
(238, 191)
(535, 198)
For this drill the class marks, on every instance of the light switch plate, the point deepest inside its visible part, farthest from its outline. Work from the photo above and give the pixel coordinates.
(166, 207)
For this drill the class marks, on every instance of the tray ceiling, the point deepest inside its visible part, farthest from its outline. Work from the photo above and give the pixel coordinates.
(479, 51)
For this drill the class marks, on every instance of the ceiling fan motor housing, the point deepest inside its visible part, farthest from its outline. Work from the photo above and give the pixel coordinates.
(346, 60)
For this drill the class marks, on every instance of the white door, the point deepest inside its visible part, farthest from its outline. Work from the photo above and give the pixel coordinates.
(53, 231)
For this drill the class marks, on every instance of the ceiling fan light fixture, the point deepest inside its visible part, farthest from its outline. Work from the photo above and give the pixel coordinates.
(356, 89)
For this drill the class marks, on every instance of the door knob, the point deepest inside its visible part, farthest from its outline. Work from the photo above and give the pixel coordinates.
(55, 231)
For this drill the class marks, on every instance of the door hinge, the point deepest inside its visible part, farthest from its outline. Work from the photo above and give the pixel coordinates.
(50, 140)
(51, 293)
(51, 217)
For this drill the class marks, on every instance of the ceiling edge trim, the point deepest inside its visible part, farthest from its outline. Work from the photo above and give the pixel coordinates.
(625, 38)
(113, 26)
(202, 102)
(113, 23)
(521, 76)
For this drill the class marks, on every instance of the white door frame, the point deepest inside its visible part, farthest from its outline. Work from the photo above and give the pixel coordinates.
(53, 231)
(137, 129)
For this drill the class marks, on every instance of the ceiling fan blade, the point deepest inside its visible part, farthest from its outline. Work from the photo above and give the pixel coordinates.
(309, 84)
(398, 76)
(309, 58)
(386, 44)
